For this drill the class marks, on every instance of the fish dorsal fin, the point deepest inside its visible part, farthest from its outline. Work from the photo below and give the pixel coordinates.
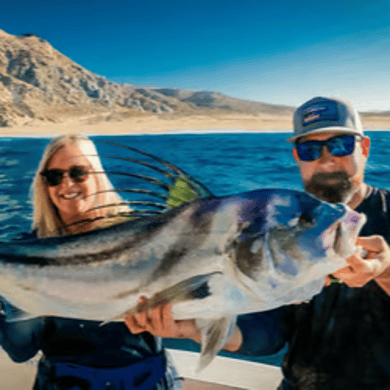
(148, 185)
(183, 186)
(180, 192)
(215, 334)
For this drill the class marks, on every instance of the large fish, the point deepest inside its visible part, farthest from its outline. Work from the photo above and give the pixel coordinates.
(214, 258)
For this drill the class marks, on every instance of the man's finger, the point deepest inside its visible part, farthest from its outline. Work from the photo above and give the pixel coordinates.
(374, 266)
(355, 262)
(343, 273)
(372, 243)
(359, 269)
(328, 281)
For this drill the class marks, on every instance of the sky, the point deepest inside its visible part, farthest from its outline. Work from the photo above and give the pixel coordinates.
(280, 52)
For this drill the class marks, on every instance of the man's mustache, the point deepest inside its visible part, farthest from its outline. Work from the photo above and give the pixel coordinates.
(327, 177)
(332, 187)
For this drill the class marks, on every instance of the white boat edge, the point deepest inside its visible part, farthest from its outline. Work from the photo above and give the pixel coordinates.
(226, 372)
(222, 373)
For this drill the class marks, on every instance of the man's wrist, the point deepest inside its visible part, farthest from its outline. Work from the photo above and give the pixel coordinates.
(383, 280)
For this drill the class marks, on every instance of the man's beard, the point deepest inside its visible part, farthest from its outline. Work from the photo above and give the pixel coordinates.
(332, 187)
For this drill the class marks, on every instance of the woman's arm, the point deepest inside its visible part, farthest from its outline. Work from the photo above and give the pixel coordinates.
(20, 339)
(255, 334)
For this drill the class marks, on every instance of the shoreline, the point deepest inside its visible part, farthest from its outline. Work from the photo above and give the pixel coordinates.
(158, 125)
(151, 125)
(156, 133)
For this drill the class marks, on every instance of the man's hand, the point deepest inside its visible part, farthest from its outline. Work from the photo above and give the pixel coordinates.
(374, 265)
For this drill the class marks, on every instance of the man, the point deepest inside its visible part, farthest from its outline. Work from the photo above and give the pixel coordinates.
(341, 338)
(338, 177)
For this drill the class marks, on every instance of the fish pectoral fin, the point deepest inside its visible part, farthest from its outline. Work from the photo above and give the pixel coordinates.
(215, 334)
(194, 288)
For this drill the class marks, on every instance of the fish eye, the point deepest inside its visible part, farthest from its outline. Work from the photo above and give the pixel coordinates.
(306, 221)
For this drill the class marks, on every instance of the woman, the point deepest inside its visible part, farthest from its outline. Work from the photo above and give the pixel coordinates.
(69, 187)
(69, 191)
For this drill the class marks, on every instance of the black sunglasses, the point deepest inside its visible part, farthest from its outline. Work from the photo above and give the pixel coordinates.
(339, 146)
(77, 173)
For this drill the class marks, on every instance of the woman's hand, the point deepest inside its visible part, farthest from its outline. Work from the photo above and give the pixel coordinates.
(160, 322)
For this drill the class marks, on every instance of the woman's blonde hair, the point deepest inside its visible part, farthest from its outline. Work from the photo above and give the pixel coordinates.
(46, 221)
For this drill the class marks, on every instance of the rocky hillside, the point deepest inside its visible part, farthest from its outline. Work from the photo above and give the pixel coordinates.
(38, 83)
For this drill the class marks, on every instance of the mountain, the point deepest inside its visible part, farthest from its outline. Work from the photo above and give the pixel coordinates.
(38, 83)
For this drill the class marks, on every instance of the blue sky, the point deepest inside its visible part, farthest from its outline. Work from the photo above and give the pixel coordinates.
(282, 52)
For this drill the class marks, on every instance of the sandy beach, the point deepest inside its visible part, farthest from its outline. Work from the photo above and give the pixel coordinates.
(157, 124)
(151, 124)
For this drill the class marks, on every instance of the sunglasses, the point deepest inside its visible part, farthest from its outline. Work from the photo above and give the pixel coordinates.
(77, 173)
(339, 146)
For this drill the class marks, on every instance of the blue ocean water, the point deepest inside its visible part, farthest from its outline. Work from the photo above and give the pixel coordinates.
(225, 162)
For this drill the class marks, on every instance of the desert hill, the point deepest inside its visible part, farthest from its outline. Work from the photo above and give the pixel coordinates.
(40, 86)
(38, 83)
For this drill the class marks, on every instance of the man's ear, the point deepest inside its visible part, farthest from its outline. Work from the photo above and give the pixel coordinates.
(366, 147)
(295, 154)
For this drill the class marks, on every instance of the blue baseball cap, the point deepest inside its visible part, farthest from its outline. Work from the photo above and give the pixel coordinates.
(322, 115)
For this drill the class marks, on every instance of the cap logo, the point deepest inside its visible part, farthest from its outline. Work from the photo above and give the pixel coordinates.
(324, 111)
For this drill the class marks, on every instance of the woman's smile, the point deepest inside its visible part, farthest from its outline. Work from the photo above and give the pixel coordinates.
(74, 199)
(72, 195)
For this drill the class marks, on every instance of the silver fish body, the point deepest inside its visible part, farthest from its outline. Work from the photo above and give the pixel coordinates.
(214, 258)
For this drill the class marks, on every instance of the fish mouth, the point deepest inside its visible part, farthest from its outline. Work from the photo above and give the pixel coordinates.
(339, 242)
(344, 233)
